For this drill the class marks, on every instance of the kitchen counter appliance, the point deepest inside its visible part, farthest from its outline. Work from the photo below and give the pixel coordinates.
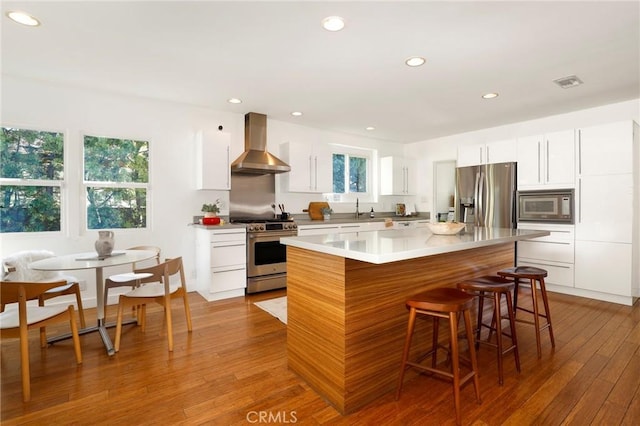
(553, 206)
(485, 195)
(266, 257)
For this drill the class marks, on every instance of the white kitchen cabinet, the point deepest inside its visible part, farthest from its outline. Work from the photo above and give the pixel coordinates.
(339, 228)
(397, 176)
(607, 218)
(490, 153)
(311, 167)
(604, 208)
(213, 165)
(221, 262)
(546, 161)
(604, 267)
(606, 149)
(554, 253)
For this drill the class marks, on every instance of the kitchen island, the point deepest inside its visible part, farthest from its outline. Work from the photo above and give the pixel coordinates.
(346, 300)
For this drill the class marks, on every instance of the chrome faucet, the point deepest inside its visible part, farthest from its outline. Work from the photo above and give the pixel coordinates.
(357, 208)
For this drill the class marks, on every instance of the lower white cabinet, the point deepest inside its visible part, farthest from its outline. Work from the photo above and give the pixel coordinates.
(604, 267)
(221, 258)
(554, 253)
(339, 228)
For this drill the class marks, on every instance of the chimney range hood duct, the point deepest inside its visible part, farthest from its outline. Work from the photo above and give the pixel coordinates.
(255, 159)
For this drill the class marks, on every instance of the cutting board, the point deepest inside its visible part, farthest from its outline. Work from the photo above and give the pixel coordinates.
(315, 209)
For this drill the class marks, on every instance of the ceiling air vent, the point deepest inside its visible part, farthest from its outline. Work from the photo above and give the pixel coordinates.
(567, 82)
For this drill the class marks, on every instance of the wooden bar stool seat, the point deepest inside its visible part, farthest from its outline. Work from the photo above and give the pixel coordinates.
(533, 275)
(443, 303)
(494, 287)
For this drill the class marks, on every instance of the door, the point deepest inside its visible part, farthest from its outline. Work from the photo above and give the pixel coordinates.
(467, 182)
(496, 207)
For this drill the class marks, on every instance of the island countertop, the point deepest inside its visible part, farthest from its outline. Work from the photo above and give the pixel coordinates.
(391, 245)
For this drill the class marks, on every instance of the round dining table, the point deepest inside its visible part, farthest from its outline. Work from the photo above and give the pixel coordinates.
(91, 260)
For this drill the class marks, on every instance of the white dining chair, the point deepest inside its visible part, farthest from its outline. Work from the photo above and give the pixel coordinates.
(157, 288)
(15, 267)
(16, 323)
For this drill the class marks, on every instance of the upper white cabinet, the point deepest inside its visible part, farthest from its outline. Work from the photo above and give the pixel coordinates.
(489, 153)
(311, 167)
(546, 161)
(213, 164)
(397, 176)
(605, 149)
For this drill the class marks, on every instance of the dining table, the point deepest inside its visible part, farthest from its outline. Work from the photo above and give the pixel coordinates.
(91, 260)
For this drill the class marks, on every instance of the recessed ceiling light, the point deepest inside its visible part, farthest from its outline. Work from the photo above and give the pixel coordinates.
(234, 101)
(415, 61)
(23, 18)
(296, 113)
(370, 128)
(333, 23)
(489, 95)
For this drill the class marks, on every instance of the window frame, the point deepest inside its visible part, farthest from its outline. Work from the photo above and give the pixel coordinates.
(62, 184)
(352, 151)
(83, 202)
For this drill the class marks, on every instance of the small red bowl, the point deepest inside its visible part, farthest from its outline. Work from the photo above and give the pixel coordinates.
(210, 220)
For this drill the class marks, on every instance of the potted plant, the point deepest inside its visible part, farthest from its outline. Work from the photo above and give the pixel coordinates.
(326, 213)
(211, 210)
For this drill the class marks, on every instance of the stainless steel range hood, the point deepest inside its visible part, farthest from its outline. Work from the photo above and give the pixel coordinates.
(255, 159)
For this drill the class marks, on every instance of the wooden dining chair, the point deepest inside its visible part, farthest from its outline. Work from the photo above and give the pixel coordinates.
(157, 288)
(129, 279)
(16, 323)
(15, 268)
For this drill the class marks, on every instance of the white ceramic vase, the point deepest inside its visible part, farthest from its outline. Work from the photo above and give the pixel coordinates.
(104, 243)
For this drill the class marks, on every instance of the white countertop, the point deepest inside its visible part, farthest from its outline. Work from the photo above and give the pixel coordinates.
(391, 245)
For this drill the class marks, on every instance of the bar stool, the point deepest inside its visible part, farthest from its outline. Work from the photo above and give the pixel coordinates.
(443, 303)
(498, 287)
(534, 275)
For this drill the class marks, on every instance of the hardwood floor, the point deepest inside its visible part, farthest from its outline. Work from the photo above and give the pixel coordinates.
(232, 370)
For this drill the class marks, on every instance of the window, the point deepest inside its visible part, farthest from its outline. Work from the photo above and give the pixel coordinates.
(351, 173)
(116, 179)
(31, 177)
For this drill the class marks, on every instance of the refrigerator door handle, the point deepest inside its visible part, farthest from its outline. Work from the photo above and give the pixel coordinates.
(480, 200)
(476, 199)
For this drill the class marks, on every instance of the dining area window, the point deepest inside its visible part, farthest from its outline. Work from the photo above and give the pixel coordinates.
(31, 180)
(116, 182)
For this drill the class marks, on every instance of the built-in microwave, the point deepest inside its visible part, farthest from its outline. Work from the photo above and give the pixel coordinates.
(546, 206)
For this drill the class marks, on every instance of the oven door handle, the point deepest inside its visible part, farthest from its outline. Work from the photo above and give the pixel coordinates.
(270, 235)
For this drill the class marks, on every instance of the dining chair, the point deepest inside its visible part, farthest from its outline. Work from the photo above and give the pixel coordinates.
(16, 323)
(157, 288)
(129, 279)
(15, 267)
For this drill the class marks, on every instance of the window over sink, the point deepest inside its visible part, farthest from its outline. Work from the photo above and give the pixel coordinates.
(352, 174)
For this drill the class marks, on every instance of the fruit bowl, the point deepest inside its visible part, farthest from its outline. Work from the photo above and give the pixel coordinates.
(445, 228)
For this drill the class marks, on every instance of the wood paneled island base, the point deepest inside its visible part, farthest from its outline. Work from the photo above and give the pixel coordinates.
(347, 318)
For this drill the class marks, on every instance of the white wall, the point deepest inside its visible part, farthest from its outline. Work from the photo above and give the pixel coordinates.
(170, 128)
(445, 148)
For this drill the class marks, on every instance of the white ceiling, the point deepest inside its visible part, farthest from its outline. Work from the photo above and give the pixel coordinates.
(276, 58)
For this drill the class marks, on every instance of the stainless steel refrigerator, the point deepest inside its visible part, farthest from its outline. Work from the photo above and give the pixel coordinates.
(485, 195)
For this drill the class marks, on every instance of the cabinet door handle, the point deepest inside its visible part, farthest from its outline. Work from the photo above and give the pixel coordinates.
(228, 168)
(547, 162)
(580, 200)
(480, 159)
(539, 162)
(310, 174)
(315, 169)
(488, 160)
(579, 152)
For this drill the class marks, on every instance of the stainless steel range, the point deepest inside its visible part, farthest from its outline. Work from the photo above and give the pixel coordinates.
(266, 257)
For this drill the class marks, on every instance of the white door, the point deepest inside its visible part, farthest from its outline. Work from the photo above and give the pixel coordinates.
(604, 267)
(529, 161)
(604, 210)
(605, 149)
(560, 158)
